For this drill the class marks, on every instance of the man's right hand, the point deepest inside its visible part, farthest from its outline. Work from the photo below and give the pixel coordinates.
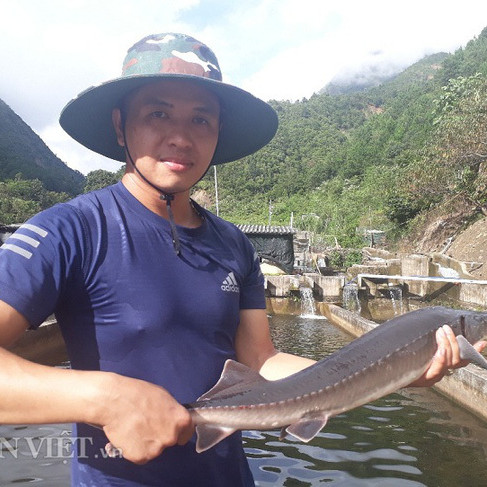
(141, 419)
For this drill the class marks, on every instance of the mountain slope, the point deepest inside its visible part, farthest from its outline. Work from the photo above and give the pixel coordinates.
(23, 151)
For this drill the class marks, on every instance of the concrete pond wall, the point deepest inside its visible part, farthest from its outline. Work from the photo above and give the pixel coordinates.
(422, 277)
(325, 288)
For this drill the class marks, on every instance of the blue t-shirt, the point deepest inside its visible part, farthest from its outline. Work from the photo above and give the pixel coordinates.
(126, 303)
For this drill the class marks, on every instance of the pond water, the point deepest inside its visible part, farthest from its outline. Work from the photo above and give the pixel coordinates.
(413, 438)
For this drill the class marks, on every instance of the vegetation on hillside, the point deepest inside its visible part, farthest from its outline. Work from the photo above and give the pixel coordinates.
(101, 178)
(377, 158)
(20, 199)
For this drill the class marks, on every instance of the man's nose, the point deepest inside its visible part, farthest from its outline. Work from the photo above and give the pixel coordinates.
(180, 135)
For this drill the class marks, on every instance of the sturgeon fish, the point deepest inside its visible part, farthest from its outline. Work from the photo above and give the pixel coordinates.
(389, 357)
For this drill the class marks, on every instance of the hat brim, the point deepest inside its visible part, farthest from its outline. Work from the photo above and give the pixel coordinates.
(248, 123)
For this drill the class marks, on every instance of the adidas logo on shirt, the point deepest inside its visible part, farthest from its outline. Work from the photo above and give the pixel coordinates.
(230, 284)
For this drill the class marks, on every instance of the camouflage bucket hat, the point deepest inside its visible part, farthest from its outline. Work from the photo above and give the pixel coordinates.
(248, 123)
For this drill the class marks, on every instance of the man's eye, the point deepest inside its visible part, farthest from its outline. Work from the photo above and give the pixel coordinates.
(200, 121)
(159, 114)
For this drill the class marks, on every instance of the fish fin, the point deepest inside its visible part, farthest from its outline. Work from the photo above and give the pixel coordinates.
(209, 436)
(307, 428)
(235, 378)
(468, 352)
(283, 433)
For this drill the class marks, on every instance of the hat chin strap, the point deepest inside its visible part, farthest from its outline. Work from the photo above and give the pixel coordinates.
(163, 195)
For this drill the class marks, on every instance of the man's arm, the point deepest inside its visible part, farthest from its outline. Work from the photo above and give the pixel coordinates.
(140, 418)
(255, 349)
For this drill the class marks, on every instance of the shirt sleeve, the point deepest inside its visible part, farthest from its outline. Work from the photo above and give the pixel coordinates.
(36, 262)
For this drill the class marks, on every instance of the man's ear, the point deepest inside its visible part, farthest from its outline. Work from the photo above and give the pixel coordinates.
(117, 125)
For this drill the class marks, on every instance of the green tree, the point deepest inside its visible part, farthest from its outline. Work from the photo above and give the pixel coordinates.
(20, 199)
(454, 161)
(100, 178)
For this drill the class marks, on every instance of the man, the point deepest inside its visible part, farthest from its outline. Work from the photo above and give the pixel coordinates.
(135, 274)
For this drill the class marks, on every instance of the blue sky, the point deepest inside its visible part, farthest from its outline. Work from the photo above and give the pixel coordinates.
(281, 49)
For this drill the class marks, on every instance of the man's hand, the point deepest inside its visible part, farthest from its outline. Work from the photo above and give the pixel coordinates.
(142, 419)
(447, 357)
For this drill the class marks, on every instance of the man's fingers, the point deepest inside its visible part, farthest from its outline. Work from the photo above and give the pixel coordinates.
(441, 355)
(452, 349)
(480, 346)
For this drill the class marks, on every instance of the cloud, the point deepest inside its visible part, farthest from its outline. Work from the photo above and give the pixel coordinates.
(277, 49)
(358, 35)
(77, 156)
(54, 50)
(296, 73)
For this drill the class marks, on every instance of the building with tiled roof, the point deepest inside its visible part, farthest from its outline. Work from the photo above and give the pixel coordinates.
(272, 243)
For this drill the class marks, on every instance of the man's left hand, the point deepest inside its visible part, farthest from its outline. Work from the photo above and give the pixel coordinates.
(446, 358)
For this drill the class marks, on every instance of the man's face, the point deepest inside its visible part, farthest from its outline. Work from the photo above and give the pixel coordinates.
(171, 132)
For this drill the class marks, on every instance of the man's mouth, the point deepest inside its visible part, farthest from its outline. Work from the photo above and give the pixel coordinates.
(177, 164)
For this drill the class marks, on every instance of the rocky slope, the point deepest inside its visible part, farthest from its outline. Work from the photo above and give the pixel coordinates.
(455, 230)
(471, 246)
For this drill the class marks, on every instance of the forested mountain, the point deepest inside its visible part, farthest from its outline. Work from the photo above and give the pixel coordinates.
(366, 159)
(379, 158)
(22, 152)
